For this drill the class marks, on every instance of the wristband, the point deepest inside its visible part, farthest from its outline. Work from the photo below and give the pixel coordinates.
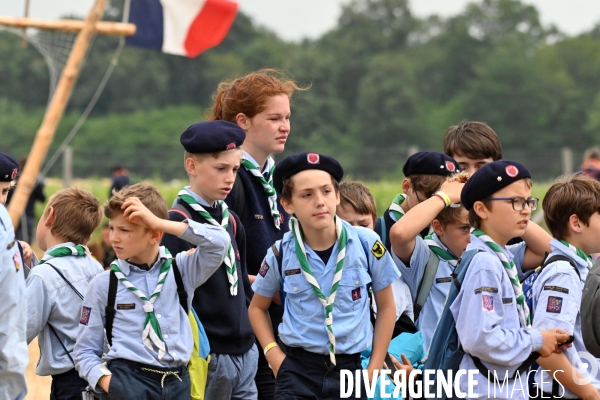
(269, 347)
(444, 197)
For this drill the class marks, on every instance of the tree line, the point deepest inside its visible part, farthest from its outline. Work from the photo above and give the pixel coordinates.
(381, 81)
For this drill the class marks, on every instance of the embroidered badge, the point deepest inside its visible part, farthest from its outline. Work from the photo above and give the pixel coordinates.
(130, 306)
(258, 216)
(292, 272)
(488, 302)
(554, 304)
(312, 158)
(486, 289)
(507, 300)
(237, 255)
(356, 294)
(557, 289)
(10, 245)
(264, 268)
(17, 261)
(450, 166)
(378, 250)
(231, 146)
(85, 315)
(281, 219)
(14, 173)
(443, 280)
(511, 171)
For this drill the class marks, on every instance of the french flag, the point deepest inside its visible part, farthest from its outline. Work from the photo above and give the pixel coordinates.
(182, 27)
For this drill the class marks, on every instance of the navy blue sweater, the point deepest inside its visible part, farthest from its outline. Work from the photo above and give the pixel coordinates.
(260, 230)
(224, 317)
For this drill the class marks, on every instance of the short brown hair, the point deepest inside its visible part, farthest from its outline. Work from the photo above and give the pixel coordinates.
(428, 184)
(475, 220)
(570, 194)
(76, 214)
(249, 94)
(199, 157)
(359, 197)
(474, 140)
(287, 188)
(148, 195)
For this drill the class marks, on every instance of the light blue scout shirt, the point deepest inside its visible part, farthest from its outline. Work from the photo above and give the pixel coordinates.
(14, 355)
(434, 305)
(488, 324)
(303, 322)
(51, 301)
(196, 267)
(556, 299)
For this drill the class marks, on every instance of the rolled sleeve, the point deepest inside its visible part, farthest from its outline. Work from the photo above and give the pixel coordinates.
(268, 279)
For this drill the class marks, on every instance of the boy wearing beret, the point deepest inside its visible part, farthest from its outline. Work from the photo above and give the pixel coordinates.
(9, 169)
(212, 160)
(150, 336)
(325, 270)
(424, 173)
(572, 213)
(492, 318)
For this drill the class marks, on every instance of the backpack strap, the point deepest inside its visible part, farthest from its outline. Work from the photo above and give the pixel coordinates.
(66, 280)
(519, 372)
(180, 209)
(109, 311)
(181, 293)
(426, 283)
(559, 257)
(278, 252)
(380, 228)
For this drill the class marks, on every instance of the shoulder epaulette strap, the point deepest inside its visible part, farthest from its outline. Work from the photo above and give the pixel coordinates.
(109, 311)
(181, 293)
(426, 283)
(560, 257)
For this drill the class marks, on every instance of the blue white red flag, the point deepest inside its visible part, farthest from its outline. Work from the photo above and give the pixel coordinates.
(182, 27)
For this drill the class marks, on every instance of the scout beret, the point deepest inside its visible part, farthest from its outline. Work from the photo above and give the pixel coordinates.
(212, 137)
(491, 178)
(9, 168)
(291, 165)
(430, 163)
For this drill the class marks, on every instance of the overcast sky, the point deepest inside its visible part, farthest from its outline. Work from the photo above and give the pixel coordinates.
(297, 19)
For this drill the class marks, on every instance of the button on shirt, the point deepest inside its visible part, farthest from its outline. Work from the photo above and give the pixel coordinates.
(556, 300)
(303, 320)
(195, 267)
(51, 301)
(488, 326)
(13, 314)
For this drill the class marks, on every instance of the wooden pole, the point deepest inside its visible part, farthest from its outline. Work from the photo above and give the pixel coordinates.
(54, 113)
(26, 15)
(69, 25)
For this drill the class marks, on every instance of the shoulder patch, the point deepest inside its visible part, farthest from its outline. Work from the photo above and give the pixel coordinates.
(378, 250)
(264, 268)
(557, 289)
(486, 289)
(488, 302)
(85, 315)
(554, 304)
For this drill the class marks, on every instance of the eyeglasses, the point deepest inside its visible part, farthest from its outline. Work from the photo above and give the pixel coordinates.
(518, 203)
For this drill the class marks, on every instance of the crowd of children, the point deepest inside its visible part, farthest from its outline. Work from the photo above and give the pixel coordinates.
(292, 276)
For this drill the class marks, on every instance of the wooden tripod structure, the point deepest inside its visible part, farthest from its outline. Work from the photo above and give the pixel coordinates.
(62, 94)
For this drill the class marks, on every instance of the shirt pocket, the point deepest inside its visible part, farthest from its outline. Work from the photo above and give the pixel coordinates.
(352, 292)
(300, 296)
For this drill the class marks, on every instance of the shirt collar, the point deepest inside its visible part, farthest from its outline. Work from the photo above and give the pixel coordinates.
(436, 239)
(199, 199)
(478, 244)
(125, 266)
(248, 157)
(559, 248)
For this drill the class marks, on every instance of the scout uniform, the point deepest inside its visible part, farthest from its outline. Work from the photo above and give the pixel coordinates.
(223, 313)
(308, 369)
(556, 301)
(492, 318)
(133, 360)
(13, 314)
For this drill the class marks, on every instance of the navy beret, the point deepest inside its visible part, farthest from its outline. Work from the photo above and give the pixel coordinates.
(491, 178)
(291, 165)
(212, 137)
(430, 163)
(9, 168)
